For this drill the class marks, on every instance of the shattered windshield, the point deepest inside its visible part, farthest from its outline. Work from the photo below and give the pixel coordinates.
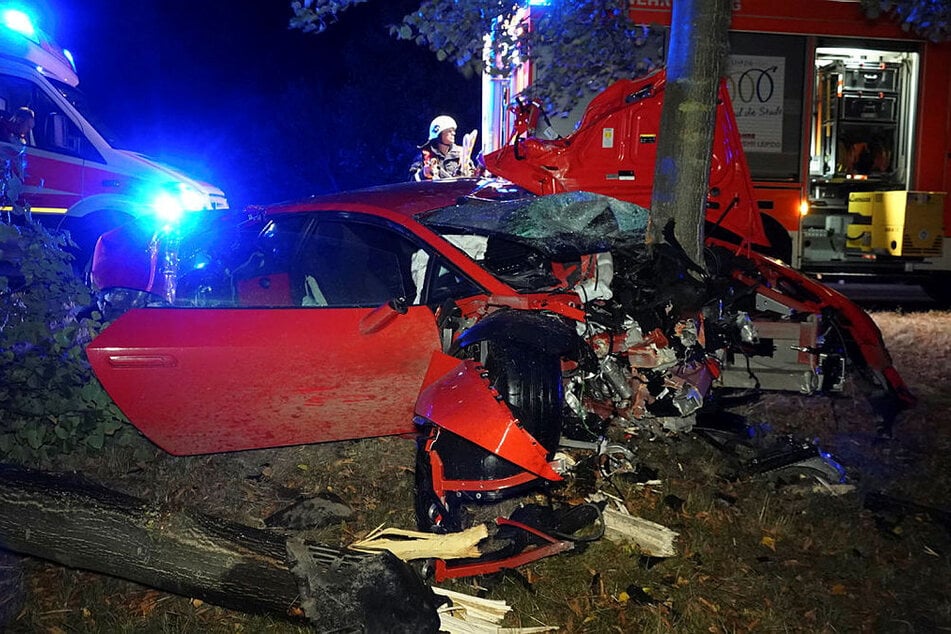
(559, 226)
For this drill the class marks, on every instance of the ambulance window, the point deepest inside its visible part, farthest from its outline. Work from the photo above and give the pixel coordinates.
(53, 131)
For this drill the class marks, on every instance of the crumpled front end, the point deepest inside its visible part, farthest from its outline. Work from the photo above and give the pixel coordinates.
(654, 337)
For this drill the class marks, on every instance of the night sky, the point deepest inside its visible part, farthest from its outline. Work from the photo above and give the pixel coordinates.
(227, 92)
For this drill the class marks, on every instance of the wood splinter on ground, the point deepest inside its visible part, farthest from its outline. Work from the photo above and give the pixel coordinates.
(463, 614)
(654, 540)
(467, 614)
(409, 545)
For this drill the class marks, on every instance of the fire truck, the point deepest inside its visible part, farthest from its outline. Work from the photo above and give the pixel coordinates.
(63, 170)
(845, 129)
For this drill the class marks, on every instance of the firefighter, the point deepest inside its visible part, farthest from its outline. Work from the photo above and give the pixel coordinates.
(440, 157)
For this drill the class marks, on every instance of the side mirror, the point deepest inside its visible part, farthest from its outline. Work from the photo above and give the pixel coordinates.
(382, 315)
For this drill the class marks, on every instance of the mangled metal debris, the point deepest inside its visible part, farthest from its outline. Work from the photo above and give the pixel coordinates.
(756, 450)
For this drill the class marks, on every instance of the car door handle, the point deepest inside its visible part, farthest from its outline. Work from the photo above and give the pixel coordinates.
(142, 360)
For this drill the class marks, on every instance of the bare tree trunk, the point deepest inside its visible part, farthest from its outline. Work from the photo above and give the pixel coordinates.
(77, 523)
(698, 44)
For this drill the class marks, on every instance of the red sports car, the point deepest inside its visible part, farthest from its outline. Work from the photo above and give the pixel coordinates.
(492, 322)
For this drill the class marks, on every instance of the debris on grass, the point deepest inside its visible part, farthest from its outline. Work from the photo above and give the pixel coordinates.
(409, 545)
(652, 539)
(468, 614)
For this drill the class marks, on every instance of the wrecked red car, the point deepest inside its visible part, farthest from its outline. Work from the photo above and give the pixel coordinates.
(491, 322)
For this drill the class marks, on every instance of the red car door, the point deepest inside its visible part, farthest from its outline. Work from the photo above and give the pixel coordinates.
(207, 380)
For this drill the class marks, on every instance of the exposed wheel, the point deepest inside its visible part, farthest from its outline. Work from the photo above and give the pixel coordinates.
(530, 382)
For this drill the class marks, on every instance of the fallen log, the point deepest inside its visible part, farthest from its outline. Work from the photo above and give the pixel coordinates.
(70, 520)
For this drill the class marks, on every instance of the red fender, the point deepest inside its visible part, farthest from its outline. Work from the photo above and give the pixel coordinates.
(860, 325)
(462, 402)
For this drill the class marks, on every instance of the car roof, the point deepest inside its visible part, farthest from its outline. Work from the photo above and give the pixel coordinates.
(406, 199)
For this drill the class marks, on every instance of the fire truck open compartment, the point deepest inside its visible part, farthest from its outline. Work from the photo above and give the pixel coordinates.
(863, 114)
(861, 153)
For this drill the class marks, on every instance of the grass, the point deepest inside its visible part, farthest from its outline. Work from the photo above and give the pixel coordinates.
(752, 556)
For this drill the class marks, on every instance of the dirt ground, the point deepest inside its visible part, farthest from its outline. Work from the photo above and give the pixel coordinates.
(753, 554)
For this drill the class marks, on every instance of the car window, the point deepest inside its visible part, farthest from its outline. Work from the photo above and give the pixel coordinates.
(314, 260)
(352, 263)
(262, 269)
(447, 284)
(227, 266)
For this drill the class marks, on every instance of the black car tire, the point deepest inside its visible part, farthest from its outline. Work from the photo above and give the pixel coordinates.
(530, 382)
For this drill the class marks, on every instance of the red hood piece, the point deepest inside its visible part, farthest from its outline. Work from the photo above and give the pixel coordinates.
(613, 153)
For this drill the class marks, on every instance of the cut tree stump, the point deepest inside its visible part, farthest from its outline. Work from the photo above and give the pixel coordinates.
(72, 521)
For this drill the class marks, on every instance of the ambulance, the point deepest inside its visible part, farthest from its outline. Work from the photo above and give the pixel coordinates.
(63, 170)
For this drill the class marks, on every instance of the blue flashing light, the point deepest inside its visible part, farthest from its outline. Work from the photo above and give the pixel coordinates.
(539, 3)
(173, 201)
(18, 21)
(192, 199)
(168, 208)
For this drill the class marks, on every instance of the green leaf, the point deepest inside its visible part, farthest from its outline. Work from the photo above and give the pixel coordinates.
(109, 427)
(34, 435)
(96, 439)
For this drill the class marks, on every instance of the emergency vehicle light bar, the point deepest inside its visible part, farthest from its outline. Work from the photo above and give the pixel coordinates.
(20, 22)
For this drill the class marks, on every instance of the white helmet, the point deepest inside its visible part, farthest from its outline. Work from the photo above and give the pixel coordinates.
(440, 123)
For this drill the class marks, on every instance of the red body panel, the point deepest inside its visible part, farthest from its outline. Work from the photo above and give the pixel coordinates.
(53, 182)
(208, 380)
(99, 179)
(463, 402)
(123, 260)
(404, 201)
(613, 153)
(859, 324)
